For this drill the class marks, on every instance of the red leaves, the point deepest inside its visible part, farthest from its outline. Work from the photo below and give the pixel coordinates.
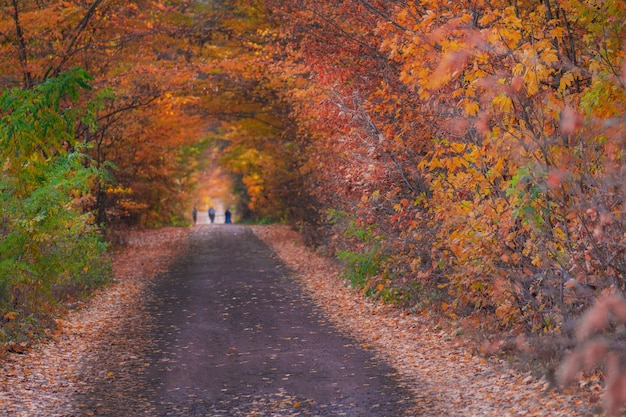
(16, 347)
(598, 317)
(593, 351)
(570, 120)
(555, 177)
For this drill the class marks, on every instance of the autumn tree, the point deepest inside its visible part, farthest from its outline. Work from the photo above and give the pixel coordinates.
(138, 53)
(251, 126)
(363, 128)
(478, 143)
(517, 192)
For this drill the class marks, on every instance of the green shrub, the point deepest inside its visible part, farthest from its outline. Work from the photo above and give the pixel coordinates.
(50, 250)
(364, 260)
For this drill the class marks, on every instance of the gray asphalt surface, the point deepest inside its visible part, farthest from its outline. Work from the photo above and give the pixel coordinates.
(234, 335)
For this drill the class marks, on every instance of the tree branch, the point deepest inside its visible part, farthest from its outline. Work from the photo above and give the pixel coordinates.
(21, 47)
(77, 32)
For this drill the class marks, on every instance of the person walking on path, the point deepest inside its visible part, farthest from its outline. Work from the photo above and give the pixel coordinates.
(212, 214)
(228, 215)
(194, 213)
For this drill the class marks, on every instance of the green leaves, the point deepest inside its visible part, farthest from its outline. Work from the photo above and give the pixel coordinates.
(33, 127)
(48, 243)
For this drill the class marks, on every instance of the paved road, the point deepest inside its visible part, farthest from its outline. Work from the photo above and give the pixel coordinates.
(235, 336)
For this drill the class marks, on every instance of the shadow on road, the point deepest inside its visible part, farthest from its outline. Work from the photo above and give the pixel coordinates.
(232, 334)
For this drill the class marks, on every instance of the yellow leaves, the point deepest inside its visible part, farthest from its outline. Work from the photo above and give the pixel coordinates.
(452, 164)
(537, 260)
(510, 37)
(531, 82)
(559, 234)
(595, 67)
(11, 315)
(538, 62)
(488, 17)
(566, 81)
(390, 45)
(119, 190)
(505, 32)
(433, 164)
(557, 32)
(503, 103)
(458, 147)
(549, 57)
(497, 169)
(402, 16)
(471, 108)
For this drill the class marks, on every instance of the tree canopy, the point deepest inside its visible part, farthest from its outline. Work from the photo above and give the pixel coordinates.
(473, 148)
(466, 157)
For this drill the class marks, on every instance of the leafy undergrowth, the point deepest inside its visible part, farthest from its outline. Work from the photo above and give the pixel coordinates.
(47, 381)
(446, 371)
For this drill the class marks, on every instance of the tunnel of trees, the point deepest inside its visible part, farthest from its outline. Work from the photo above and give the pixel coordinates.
(467, 157)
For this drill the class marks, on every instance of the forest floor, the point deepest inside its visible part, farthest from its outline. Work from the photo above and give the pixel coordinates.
(441, 368)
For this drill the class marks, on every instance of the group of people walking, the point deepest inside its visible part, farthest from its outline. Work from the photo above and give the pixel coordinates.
(227, 215)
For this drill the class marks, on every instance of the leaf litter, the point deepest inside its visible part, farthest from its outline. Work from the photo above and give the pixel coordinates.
(57, 378)
(444, 373)
(102, 344)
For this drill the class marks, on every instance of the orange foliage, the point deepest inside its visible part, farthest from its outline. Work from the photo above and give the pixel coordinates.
(480, 146)
(149, 60)
(481, 142)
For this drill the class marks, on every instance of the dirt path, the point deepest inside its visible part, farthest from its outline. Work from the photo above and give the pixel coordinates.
(234, 335)
(157, 344)
(225, 331)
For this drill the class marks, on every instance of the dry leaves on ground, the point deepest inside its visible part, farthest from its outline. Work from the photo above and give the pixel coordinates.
(445, 376)
(52, 380)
